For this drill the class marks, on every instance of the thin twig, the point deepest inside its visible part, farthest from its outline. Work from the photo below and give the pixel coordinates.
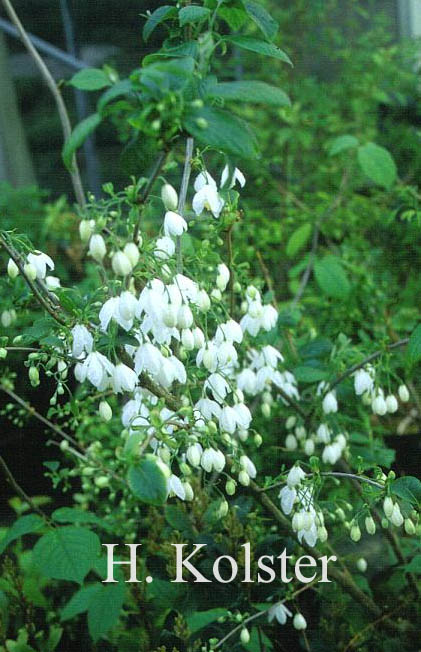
(52, 310)
(267, 276)
(62, 111)
(20, 491)
(147, 190)
(333, 474)
(182, 198)
(262, 613)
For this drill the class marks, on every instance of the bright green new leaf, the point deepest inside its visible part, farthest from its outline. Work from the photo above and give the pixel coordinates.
(78, 136)
(90, 79)
(148, 480)
(66, 553)
(262, 18)
(119, 89)
(156, 18)
(251, 91)
(342, 143)
(192, 14)
(261, 47)
(377, 164)
(331, 277)
(104, 609)
(23, 525)
(413, 352)
(221, 130)
(298, 240)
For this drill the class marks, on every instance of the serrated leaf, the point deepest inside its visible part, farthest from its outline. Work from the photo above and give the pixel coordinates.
(148, 481)
(23, 525)
(377, 164)
(192, 14)
(78, 136)
(250, 91)
(235, 17)
(331, 277)
(342, 143)
(66, 553)
(414, 565)
(90, 79)
(156, 18)
(104, 610)
(120, 88)
(80, 601)
(408, 488)
(261, 47)
(298, 240)
(261, 18)
(221, 130)
(413, 352)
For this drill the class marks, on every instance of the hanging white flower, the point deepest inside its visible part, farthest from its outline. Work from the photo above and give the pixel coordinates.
(174, 224)
(82, 340)
(236, 176)
(124, 379)
(40, 261)
(207, 196)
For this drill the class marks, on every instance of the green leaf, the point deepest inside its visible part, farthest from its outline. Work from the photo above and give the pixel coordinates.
(377, 164)
(104, 610)
(310, 374)
(74, 515)
(178, 519)
(23, 525)
(80, 601)
(78, 136)
(342, 143)
(66, 553)
(90, 79)
(298, 240)
(122, 87)
(261, 47)
(262, 18)
(413, 352)
(202, 619)
(408, 488)
(234, 16)
(221, 130)
(331, 277)
(148, 480)
(414, 565)
(192, 14)
(250, 91)
(158, 16)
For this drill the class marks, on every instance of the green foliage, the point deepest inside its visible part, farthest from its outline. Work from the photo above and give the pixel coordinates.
(148, 481)
(67, 553)
(377, 163)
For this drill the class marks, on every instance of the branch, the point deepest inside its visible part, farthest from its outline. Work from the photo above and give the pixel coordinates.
(20, 491)
(61, 107)
(333, 474)
(34, 285)
(146, 192)
(182, 197)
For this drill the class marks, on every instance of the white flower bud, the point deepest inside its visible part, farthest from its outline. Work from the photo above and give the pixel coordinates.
(121, 264)
(169, 197)
(188, 491)
(295, 475)
(132, 252)
(6, 319)
(309, 447)
(330, 404)
(169, 315)
(290, 442)
(355, 532)
(388, 506)
(105, 411)
(216, 294)
(409, 526)
(97, 248)
(361, 564)
(187, 339)
(299, 622)
(30, 271)
(203, 301)
(290, 422)
(174, 224)
(245, 636)
(378, 405)
(266, 410)
(370, 525)
(403, 393)
(12, 269)
(86, 229)
(396, 518)
(244, 478)
(391, 404)
(322, 534)
(199, 338)
(184, 317)
(194, 454)
(223, 277)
